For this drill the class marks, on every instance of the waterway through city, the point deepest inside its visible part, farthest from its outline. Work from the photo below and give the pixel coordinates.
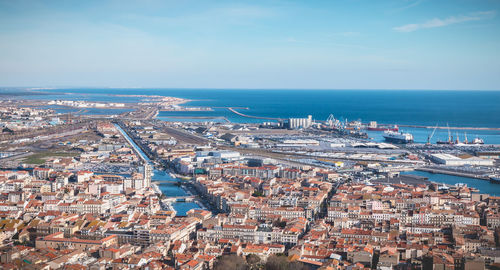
(166, 182)
(484, 186)
(168, 186)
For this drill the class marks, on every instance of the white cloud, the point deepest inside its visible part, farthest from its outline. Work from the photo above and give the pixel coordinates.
(436, 22)
(410, 5)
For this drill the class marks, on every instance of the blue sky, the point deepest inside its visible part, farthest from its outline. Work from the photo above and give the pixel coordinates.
(343, 44)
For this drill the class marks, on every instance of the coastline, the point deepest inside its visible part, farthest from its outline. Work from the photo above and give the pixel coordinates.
(156, 98)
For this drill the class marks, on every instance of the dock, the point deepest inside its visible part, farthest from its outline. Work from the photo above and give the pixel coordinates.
(454, 173)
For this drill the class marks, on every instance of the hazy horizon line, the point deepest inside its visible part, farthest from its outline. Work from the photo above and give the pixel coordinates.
(35, 88)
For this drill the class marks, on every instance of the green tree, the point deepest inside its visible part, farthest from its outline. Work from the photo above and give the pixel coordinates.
(253, 261)
(282, 263)
(257, 194)
(231, 262)
(281, 224)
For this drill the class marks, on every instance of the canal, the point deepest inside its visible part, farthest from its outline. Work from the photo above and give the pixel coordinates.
(167, 183)
(168, 186)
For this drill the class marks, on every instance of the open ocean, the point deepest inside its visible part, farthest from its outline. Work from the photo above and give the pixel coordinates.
(409, 107)
(458, 108)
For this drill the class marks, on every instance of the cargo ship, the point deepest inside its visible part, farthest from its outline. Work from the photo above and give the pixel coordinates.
(476, 140)
(398, 137)
(450, 138)
(457, 142)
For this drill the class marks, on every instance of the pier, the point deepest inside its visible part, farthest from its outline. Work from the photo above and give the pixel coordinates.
(251, 116)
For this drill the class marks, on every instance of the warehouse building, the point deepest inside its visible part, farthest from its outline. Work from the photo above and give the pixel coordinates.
(451, 160)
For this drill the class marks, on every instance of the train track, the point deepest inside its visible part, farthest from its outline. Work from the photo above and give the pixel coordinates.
(185, 137)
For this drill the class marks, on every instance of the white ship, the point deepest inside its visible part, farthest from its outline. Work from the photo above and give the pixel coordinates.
(398, 137)
(477, 140)
(495, 179)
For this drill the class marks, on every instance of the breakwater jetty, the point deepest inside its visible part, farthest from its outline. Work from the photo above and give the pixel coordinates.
(251, 116)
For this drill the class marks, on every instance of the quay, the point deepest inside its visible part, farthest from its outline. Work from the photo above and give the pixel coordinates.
(251, 116)
(454, 173)
(156, 189)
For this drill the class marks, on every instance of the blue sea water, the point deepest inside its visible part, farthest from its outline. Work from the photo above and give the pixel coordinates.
(411, 107)
(408, 107)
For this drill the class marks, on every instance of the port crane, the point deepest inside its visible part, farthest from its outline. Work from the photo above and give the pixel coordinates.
(330, 120)
(450, 139)
(432, 135)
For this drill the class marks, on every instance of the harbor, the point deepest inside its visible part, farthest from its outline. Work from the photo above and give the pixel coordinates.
(238, 161)
(214, 135)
